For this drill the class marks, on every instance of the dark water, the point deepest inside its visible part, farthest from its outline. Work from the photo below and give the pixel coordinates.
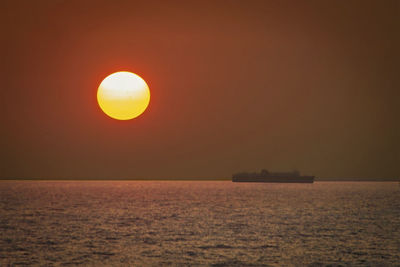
(199, 223)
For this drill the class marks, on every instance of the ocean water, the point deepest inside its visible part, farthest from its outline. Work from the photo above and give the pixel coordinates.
(179, 223)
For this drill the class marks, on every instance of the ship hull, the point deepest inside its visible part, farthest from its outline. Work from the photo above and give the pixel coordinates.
(299, 179)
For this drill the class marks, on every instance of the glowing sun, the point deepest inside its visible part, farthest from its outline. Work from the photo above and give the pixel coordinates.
(123, 95)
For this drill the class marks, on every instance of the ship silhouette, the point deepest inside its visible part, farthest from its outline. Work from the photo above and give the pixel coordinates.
(272, 177)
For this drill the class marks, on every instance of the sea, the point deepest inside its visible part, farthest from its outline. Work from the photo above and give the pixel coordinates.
(199, 223)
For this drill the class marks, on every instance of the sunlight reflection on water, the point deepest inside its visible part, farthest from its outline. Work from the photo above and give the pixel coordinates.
(199, 223)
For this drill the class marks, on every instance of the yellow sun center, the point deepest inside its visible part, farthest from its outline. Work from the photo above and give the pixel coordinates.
(123, 95)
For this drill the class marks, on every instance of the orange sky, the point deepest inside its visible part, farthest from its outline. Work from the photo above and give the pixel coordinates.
(235, 85)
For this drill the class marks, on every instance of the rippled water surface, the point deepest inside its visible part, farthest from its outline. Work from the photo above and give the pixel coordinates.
(199, 223)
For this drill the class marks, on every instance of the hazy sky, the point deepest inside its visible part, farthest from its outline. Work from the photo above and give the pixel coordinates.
(235, 85)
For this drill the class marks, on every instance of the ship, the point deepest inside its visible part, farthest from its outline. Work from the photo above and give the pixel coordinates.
(272, 177)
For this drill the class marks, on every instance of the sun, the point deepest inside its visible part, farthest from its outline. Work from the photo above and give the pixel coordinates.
(123, 95)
